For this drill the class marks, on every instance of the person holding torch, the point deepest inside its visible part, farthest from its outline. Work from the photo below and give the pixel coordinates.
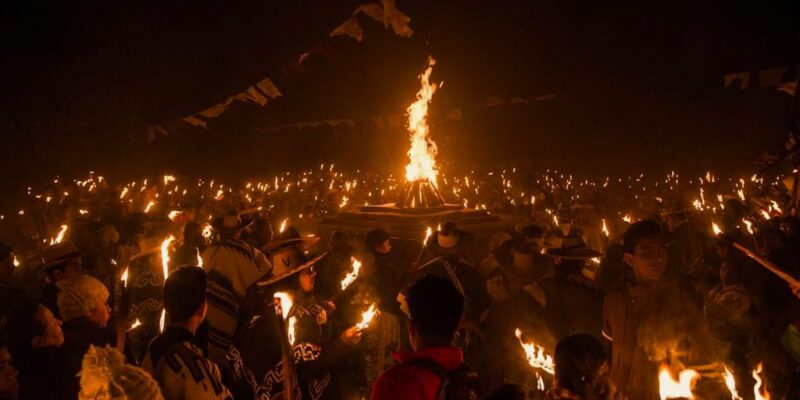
(290, 316)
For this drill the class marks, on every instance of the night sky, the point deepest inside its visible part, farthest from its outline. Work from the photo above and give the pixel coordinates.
(638, 86)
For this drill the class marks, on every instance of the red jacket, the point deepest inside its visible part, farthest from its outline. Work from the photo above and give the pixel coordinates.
(410, 382)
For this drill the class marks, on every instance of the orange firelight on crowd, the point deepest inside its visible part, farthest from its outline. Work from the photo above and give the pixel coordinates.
(422, 154)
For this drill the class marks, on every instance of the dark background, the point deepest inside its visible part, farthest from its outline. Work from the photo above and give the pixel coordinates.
(638, 85)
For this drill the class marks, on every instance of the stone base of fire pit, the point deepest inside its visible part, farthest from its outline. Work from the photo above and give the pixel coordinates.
(411, 223)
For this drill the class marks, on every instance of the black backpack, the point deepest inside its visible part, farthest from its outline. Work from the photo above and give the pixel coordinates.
(461, 383)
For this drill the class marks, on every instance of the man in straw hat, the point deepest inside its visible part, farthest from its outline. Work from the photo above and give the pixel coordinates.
(232, 266)
(573, 303)
(256, 357)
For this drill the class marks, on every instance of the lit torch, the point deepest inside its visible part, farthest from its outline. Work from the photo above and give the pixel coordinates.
(367, 316)
(730, 382)
(669, 388)
(60, 236)
(760, 388)
(535, 355)
(605, 228)
(165, 255)
(352, 275)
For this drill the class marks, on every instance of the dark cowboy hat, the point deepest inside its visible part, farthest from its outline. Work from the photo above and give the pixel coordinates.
(287, 262)
(449, 241)
(57, 254)
(290, 236)
(230, 222)
(573, 248)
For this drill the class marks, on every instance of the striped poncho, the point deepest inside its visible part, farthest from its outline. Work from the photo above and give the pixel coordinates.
(232, 266)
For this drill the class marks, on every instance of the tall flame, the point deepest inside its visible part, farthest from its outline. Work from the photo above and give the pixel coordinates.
(367, 316)
(730, 382)
(60, 236)
(605, 229)
(352, 275)
(165, 255)
(535, 355)
(669, 388)
(125, 278)
(760, 388)
(286, 302)
(422, 154)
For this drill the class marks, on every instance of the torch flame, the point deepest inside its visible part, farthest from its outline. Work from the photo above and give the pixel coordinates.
(163, 320)
(125, 278)
(535, 355)
(149, 206)
(352, 275)
(286, 302)
(165, 255)
(283, 225)
(428, 233)
(135, 324)
(730, 382)
(669, 388)
(16, 261)
(605, 228)
(207, 231)
(60, 237)
(290, 326)
(199, 259)
(716, 229)
(367, 316)
(422, 154)
(173, 215)
(760, 388)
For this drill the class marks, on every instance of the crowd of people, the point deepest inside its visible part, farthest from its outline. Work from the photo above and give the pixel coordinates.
(173, 289)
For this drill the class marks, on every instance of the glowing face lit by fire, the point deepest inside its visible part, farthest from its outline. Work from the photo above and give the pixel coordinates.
(422, 154)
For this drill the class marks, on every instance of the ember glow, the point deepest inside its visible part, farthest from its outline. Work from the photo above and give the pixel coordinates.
(283, 225)
(174, 214)
(352, 275)
(669, 388)
(422, 154)
(605, 228)
(199, 259)
(716, 229)
(149, 206)
(165, 255)
(367, 316)
(16, 261)
(535, 355)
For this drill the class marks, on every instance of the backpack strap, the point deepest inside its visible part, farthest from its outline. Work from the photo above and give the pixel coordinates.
(432, 366)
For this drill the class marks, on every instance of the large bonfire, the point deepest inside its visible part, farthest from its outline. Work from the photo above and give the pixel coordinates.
(422, 154)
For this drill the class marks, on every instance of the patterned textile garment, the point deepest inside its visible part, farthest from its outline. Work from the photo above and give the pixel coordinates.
(232, 266)
(180, 369)
(255, 358)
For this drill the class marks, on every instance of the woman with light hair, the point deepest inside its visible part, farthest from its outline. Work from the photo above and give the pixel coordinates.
(83, 304)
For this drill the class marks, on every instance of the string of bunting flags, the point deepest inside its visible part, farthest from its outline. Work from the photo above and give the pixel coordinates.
(784, 79)
(384, 11)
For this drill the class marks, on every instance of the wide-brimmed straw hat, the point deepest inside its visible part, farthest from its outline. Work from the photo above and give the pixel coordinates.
(288, 261)
(449, 241)
(58, 253)
(230, 222)
(573, 248)
(521, 261)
